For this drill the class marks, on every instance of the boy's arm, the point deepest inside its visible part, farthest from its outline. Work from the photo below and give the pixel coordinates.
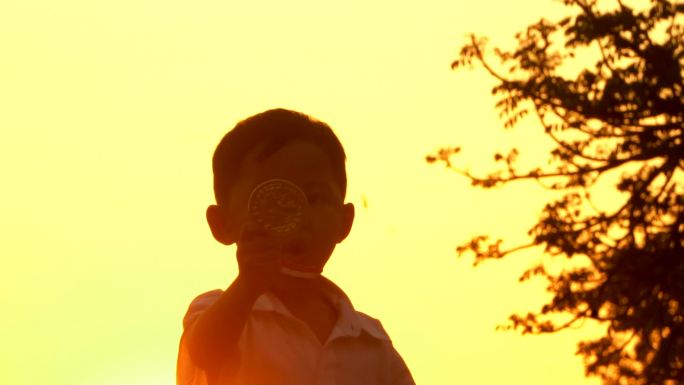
(212, 338)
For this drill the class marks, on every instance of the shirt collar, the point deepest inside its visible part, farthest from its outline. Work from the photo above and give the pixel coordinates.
(349, 321)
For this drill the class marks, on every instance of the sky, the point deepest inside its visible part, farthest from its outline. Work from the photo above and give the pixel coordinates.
(109, 115)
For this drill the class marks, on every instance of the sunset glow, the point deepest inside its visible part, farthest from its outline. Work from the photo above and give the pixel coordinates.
(111, 112)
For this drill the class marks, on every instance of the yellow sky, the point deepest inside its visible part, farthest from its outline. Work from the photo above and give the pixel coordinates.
(110, 112)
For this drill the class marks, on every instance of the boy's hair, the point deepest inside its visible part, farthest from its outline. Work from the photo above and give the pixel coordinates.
(273, 129)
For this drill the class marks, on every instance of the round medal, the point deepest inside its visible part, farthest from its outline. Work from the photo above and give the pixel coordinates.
(278, 205)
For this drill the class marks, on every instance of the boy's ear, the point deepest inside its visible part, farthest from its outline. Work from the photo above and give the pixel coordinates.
(220, 225)
(347, 221)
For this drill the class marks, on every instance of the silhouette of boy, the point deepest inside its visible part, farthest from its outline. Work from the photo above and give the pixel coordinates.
(276, 325)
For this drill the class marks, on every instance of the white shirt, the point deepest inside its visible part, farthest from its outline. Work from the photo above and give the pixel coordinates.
(278, 348)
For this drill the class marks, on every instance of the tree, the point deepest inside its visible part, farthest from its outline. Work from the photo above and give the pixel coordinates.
(622, 116)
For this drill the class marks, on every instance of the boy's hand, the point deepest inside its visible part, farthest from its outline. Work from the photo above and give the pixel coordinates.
(258, 256)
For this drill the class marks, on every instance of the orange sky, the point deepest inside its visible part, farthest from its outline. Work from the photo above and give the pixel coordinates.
(111, 111)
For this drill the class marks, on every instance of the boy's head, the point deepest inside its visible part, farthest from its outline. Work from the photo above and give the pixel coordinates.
(282, 144)
(270, 131)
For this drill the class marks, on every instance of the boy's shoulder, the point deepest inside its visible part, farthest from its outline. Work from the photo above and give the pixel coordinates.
(199, 304)
(208, 296)
(369, 324)
(372, 326)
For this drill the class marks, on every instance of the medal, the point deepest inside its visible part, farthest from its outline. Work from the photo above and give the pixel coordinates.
(278, 205)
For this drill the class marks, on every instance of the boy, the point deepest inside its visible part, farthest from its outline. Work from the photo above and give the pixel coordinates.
(280, 321)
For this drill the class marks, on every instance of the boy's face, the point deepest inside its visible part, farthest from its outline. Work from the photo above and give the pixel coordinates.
(328, 221)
